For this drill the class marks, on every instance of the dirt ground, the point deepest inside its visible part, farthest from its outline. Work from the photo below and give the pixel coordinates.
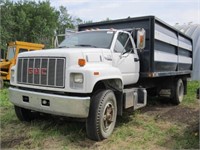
(178, 114)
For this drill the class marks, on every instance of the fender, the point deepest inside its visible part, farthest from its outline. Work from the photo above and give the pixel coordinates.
(95, 72)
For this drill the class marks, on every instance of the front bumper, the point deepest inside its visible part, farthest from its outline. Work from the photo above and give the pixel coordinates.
(69, 106)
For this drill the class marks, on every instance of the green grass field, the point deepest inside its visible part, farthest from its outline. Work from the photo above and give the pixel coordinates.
(157, 126)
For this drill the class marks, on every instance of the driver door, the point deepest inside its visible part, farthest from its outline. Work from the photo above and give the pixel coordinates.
(125, 58)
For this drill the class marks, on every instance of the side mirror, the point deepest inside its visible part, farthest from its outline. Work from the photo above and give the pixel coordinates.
(141, 36)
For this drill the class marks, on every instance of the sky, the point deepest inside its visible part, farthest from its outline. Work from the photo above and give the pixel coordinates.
(170, 11)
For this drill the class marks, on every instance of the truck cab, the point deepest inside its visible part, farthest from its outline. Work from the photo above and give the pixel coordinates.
(117, 46)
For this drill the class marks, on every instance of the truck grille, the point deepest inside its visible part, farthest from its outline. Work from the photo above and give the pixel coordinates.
(41, 71)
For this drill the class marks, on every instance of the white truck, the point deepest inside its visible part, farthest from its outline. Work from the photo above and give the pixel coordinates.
(99, 72)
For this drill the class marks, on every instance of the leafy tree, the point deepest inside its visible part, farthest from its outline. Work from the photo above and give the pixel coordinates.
(64, 20)
(28, 21)
(33, 22)
(6, 22)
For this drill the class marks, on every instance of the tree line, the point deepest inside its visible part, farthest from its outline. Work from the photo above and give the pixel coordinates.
(32, 21)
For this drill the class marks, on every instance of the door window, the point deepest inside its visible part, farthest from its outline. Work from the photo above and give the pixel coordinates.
(123, 43)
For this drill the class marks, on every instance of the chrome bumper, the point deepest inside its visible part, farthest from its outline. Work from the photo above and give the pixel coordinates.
(69, 106)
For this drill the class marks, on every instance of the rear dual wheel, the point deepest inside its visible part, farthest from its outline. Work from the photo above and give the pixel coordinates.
(102, 116)
(177, 92)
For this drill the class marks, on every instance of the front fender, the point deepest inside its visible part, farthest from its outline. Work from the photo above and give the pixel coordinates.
(94, 73)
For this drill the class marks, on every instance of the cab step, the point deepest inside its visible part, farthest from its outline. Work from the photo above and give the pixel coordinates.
(135, 98)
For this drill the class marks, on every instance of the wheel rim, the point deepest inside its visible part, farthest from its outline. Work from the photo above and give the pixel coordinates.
(108, 117)
(180, 91)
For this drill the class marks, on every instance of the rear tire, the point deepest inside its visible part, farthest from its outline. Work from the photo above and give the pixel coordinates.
(177, 92)
(102, 115)
(24, 114)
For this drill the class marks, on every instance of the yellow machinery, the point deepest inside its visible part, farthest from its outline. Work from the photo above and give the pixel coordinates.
(14, 48)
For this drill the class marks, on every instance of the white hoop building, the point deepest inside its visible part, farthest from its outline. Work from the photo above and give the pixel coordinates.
(193, 31)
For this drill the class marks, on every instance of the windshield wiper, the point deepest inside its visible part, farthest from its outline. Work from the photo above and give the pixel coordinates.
(85, 45)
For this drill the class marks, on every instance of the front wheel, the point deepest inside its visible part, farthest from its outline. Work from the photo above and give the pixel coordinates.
(102, 116)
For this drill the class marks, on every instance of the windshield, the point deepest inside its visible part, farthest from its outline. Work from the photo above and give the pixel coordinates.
(11, 53)
(97, 39)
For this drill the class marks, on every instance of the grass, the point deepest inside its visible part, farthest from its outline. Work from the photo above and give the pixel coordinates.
(149, 128)
(190, 98)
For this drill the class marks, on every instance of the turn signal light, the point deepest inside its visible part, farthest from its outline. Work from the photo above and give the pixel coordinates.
(81, 62)
(96, 73)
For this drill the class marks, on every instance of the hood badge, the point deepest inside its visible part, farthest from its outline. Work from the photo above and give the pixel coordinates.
(37, 71)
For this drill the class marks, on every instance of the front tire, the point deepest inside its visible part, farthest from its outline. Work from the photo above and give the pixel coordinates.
(24, 114)
(102, 116)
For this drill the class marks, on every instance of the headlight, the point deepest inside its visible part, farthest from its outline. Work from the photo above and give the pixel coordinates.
(78, 77)
(76, 80)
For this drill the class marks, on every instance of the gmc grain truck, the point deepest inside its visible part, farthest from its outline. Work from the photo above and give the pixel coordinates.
(101, 71)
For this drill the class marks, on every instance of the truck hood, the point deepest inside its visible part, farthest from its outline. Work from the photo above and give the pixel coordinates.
(90, 54)
(60, 52)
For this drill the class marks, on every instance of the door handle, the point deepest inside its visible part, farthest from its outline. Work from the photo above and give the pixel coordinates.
(136, 59)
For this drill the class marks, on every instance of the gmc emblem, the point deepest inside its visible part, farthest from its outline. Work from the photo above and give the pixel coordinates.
(37, 71)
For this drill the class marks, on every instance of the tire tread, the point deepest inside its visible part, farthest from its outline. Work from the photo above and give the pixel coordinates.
(93, 121)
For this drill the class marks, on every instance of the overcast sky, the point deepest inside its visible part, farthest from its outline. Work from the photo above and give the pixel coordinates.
(170, 11)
